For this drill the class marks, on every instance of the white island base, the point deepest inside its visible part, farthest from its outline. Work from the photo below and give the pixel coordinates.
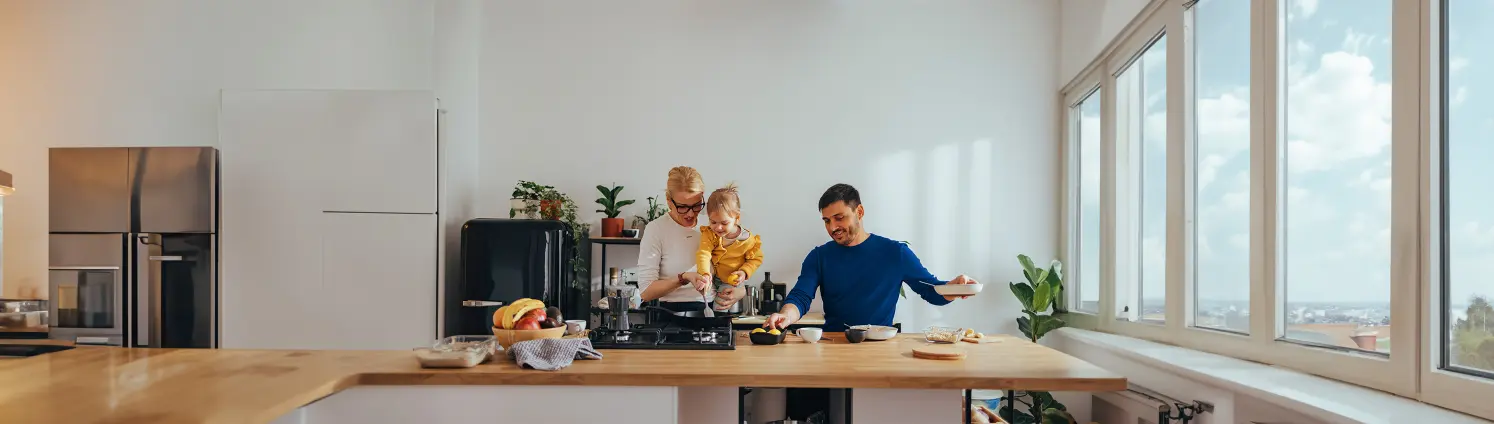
(598, 404)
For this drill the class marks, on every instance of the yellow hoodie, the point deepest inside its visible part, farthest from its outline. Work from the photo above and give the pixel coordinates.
(721, 260)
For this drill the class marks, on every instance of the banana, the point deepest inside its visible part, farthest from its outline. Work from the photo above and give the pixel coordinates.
(500, 315)
(517, 310)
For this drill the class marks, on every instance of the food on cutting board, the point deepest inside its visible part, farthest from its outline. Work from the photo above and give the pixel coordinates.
(527, 314)
(972, 336)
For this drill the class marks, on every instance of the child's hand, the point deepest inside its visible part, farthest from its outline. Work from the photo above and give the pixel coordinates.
(738, 276)
(702, 283)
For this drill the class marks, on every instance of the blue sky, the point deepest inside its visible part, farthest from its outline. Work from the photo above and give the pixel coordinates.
(1337, 138)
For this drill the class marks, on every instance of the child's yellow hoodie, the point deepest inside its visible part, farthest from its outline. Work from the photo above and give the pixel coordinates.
(716, 257)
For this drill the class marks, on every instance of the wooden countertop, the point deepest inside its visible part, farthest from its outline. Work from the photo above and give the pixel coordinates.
(189, 385)
(810, 319)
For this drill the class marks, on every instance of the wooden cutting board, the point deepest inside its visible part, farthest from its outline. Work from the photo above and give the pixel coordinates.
(939, 352)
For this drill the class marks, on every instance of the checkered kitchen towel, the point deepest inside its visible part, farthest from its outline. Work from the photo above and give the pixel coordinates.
(552, 354)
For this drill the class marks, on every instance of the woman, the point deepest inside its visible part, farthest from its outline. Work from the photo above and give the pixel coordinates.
(666, 256)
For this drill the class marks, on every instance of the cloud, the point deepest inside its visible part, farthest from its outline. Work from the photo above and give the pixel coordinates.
(1224, 123)
(1460, 95)
(1208, 169)
(1336, 113)
(1456, 64)
(1305, 8)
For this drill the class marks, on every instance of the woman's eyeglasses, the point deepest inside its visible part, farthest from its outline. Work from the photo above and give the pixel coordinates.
(687, 208)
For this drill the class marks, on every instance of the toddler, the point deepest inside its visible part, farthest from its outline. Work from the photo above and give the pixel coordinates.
(728, 253)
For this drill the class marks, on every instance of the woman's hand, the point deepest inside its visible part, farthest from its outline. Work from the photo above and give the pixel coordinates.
(701, 283)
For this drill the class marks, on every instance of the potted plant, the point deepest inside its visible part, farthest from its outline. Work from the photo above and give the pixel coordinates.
(655, 210)
(612, 226)
(525, 201)
(1043, 288)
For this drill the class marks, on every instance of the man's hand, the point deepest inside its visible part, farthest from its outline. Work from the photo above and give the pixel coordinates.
(962, 279)
(776, 320)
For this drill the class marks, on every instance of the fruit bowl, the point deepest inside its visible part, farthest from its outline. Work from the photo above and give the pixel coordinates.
(766, 338)
(507, 338)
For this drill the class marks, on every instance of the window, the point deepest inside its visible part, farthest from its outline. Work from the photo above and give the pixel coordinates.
(1141, 106)
(1087, 129)
(1468, 220)
(1330, 165)
(1221, 179)
(1333, 190)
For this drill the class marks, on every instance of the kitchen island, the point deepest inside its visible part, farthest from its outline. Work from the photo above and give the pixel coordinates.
(96, 384)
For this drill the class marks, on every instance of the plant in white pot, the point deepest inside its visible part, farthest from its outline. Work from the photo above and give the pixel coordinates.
(612, 226)
(525, 201)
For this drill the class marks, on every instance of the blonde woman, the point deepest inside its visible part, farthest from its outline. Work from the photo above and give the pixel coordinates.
(666, 255)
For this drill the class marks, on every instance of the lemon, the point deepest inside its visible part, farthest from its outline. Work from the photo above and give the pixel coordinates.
(775, 332)
(758, 330)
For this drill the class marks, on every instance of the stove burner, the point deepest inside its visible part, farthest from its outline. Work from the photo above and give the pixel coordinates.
(663, 337)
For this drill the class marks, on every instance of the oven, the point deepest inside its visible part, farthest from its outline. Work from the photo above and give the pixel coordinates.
(86, 282)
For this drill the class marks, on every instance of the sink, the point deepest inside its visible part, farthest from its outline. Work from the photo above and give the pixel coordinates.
(11, 351)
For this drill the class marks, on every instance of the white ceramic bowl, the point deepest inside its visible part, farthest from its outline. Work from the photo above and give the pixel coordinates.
(878, 332)
(958, 289)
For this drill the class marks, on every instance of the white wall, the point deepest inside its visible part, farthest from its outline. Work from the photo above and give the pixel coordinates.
(148, 72)
(1088, 26)
(943, 117)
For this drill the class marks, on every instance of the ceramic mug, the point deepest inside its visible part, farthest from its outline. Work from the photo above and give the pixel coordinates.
(810, 334)
(575, 326)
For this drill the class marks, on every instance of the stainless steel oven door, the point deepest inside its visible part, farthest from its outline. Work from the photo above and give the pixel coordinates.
(86, 280)
(87, 304)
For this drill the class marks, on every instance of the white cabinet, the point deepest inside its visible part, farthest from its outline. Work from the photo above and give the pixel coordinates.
(379, 273)
(295, 276)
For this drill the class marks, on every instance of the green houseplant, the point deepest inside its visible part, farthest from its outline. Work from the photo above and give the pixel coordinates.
(542, 201)
(655, 210)
(612, 226)
(524, 203)
(1043, 289)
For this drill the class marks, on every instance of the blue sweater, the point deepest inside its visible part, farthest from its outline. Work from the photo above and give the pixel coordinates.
(860, 283)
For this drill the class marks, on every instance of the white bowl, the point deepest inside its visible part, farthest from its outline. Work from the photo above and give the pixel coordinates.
(958, 289)
(877, 332)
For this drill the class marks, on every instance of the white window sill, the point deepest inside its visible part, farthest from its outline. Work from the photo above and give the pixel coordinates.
(1317, 397)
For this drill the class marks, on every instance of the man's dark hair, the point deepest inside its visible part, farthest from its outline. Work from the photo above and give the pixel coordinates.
(840, 193)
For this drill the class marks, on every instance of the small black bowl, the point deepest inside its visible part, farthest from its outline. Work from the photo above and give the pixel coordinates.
(855, 335)
(766, 338)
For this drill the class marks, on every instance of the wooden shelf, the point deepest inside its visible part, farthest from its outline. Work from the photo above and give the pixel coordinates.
(615, 240)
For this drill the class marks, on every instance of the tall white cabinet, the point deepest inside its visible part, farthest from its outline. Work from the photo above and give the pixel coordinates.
(329, 219)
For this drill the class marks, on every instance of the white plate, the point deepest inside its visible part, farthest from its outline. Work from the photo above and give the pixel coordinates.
(958, 289)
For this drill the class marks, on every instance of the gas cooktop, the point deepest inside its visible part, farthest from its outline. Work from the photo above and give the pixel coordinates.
(664, 337)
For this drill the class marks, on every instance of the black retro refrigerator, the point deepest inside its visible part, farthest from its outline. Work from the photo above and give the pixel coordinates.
(503, 260)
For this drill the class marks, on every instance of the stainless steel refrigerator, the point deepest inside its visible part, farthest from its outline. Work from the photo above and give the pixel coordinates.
(134, 245)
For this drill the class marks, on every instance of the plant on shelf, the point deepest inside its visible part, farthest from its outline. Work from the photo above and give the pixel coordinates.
(1043, 288)
(655, 210)
(524, 203)
(545, 202)
(612, 226)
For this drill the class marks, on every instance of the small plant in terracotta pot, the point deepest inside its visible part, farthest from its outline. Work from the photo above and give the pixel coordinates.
(612, 226)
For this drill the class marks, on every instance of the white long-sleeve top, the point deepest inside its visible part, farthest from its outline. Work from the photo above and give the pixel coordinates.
(668, 249)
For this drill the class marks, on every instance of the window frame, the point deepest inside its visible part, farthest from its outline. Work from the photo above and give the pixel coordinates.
(1163, 21)
(1070, 243)
(1403, 369)
(1450, 389)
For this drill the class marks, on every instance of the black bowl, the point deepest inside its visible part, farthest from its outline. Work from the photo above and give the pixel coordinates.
(766, 338)
(855, 335)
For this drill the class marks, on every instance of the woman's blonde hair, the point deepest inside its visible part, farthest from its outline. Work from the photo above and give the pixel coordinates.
(725, 199)
(683, 179)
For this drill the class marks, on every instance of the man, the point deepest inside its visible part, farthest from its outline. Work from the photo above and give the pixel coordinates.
(859, 273)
